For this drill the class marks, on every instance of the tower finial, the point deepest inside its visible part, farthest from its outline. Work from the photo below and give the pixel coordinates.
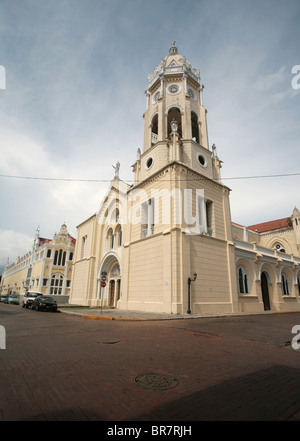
(173, 49)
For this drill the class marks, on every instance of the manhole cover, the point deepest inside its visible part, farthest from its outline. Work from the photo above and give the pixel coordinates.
(107, 341)
(153, 381)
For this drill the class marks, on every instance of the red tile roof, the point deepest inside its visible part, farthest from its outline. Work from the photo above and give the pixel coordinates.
(271, 225)
(42, 240)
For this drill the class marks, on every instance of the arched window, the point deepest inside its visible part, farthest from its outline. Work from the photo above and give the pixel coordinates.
(243, 280)
(298, 283)
(110, 239)
(285, 285)
(174, 113)
(195, 128)
(59, 258)
(56, 284)
(119, 236)
(115, 271)
(154, 129)
(117, 215)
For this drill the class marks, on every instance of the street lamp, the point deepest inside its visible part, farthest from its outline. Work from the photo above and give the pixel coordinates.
(189, 291)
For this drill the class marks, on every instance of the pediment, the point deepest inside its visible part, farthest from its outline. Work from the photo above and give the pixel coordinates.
(173, 63)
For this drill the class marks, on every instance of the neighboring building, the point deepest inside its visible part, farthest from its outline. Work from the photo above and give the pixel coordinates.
(46, 268)
(141, 249)
(268, 264)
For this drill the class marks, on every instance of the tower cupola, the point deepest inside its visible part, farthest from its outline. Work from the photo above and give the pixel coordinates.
(174, 92)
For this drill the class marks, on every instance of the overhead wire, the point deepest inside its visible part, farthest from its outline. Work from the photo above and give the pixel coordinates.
(41, 178)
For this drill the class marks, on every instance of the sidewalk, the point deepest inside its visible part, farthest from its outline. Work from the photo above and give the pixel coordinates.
(117, 314)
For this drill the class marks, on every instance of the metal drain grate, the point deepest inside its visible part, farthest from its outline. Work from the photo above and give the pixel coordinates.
(153, 381)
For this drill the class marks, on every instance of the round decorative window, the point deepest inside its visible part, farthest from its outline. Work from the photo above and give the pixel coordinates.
(149, 163)
(279, 247)
(202, 160)
(173, 89)
(191, 93)
(156, 97)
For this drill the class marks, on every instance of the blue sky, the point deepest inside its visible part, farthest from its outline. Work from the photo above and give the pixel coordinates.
(76, 72)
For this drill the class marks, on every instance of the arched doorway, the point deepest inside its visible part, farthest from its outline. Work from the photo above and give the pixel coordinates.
(265, 291)
(109, 294)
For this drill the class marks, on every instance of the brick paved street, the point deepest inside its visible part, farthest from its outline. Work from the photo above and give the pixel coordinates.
(63, 367)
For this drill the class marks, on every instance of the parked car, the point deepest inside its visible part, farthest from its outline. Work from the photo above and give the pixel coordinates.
(12, 298)
(44, 303)
(3, 297)
(29, 297)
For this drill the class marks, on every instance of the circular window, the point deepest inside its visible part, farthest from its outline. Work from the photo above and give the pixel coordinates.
(191, 94)
(279, 247)
(202, 160)
(173, 89)
(149, 163)
(156, 97)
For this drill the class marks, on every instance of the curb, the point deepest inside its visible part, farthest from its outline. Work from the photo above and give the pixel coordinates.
(101, 317)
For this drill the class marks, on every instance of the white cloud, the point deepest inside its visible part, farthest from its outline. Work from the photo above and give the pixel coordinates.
(14, 244)
(22, 155)
(270, 80)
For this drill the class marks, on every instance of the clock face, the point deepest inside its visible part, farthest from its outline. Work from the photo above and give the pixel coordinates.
(156, 97)
(192, 94)
(173, 89)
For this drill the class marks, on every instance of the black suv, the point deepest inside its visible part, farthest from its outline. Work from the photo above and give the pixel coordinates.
(44, 303)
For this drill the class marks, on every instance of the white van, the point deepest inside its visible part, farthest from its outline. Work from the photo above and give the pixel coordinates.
(29, 297)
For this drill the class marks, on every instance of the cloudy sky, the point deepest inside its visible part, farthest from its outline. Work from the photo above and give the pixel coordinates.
(72, 101)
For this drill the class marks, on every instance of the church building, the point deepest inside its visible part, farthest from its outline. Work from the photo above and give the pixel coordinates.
(166, 243)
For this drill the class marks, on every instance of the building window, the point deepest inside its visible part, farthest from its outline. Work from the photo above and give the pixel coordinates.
(112, 241)
(108, 240)
(243, 280)
(285, 285)
(205, 216)
(202, 160)
(48, 253)
(154, 131)
(56, 284)
(195, 128)
(279, 247)
(45, 281)
(83, 246)
(115, 271)
(147, 218)
(174, 114)
(60, 258)
(71, 256)
(119, 231)
(298, 283)
(149, 163)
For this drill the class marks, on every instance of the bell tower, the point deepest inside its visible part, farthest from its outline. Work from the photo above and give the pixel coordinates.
(175, 125)
(179, 211)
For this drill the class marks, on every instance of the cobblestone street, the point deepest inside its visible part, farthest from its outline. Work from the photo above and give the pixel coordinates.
(61, 367)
